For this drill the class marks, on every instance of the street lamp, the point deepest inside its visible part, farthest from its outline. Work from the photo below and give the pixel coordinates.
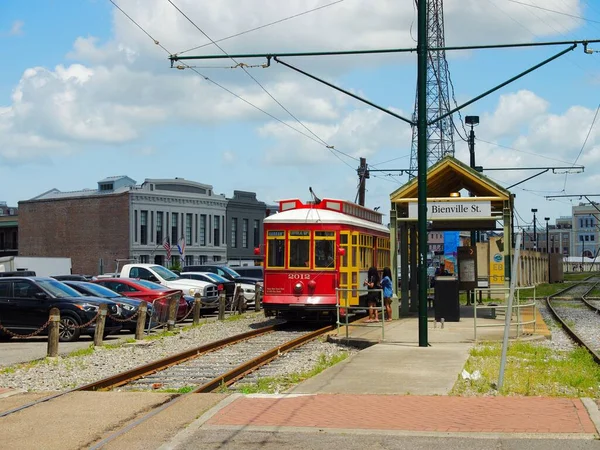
(547, 247)
(472, 121)
(534, 210)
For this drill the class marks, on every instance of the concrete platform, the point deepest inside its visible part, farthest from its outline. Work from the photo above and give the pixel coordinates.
(390, 368)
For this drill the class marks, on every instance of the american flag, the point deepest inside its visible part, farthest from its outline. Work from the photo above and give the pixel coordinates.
(167, 246)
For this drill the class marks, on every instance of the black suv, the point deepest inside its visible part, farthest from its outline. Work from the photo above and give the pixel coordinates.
(25, 304)
(224, 271)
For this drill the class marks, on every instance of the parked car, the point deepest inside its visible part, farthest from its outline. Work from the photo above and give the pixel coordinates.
(18, 273)
(25, 304)
(73, 277)
(224, 271)
(223, 284)
(148, 291)
(129, 306)
(250, 271)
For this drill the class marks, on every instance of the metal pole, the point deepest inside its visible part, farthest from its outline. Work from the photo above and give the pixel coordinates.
(422, 167)
(509, 314)
(471, 293)
(548, 247)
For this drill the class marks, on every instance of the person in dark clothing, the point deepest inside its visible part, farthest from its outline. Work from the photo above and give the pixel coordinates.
(372, 283)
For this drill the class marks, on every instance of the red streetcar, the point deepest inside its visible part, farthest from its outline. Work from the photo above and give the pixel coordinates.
(313, 248)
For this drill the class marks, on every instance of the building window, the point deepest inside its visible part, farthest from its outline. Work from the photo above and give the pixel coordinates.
(245, 233)
(174, 234)
(159, 259)
(144, 259)
(195, 228)
(135, 226)
(233, 241)
(151, 225)
(188, 230)
(592, 237)
(217, 232)
(144, 227)
(189, 260)
(216, 258)
(159, 227)
(203, 229)
(256, 233)
(202, 259)
(210, 227)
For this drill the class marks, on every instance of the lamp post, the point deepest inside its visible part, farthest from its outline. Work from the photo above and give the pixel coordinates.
(548, 247)
(534, 210)
(472, 121)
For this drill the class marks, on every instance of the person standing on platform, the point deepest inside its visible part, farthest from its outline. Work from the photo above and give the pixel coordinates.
(372, 283)
(386, 285)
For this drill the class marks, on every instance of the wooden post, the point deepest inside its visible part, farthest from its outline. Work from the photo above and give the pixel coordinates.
(173, 304)
(100, 321)
(257, 297)
(141, 320)
(197, 306)
(239, 304)
(222, 305)
(53, 332)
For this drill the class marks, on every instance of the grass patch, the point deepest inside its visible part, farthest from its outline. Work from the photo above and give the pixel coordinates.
(578, 276)
(234, 317)
(531, 370)
(542, 290)
(594, 292)
(81, 352)
(181, 390)
(270, 385)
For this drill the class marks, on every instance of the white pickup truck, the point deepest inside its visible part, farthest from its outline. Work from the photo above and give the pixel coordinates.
(158, 274)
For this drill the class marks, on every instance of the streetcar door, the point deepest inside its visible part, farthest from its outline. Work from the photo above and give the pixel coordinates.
(354, 268)
(345, 269)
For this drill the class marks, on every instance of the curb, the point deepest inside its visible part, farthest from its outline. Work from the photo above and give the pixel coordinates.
(185, 434)
(592, 409)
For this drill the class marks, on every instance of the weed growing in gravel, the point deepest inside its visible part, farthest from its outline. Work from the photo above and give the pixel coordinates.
(82, 351)
(181, 390)
(234, 317)
(270, 385)
(531, 369)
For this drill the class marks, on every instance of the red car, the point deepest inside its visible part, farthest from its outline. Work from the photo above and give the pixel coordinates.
(147, 291)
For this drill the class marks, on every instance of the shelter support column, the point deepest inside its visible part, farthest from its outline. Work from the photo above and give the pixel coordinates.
(394, 256)
(414, 270)
(404, 268)
(506, 222)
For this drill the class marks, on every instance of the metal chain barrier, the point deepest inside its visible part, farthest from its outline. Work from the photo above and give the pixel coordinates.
(187, 314)
(35, 333)
(87, 323)
(155, 312)
(128, 319)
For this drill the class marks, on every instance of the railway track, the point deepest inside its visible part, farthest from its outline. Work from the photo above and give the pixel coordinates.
(202, 369)
(579, 317)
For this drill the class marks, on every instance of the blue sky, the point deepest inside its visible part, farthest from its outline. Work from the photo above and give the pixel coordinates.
(84, 94)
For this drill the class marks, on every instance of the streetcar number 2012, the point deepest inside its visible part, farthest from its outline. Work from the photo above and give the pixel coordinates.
(298, 276)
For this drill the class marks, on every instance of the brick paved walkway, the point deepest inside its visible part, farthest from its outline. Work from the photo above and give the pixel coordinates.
(411, 413)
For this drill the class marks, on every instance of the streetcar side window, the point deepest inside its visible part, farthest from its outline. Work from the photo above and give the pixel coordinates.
(275, 249)
(324, 249)
(299, 249)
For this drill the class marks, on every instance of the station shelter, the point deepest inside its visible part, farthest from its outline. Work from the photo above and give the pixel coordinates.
(459, 198)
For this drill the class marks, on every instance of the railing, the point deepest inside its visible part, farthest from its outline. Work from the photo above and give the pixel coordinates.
(348, 308)
(517, 305)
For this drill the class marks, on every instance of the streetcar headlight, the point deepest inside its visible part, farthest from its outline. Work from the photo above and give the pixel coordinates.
(298, 287)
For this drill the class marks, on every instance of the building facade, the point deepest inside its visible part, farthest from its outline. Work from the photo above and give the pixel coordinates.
(585, 223)
(245, 216)
(9, 230)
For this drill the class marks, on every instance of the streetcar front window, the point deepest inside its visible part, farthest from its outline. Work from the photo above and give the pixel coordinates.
(275, 248)
(324, 249)
(299, 242)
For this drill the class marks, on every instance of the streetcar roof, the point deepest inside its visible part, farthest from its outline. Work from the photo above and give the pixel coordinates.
(315, 216)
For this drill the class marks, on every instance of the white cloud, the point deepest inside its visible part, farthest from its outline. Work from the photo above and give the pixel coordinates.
(228, 157)
(16, 28)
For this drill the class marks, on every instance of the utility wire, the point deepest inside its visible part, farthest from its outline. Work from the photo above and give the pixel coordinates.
(261, 26)
(521, 151)
(206, 78)
(330, 147)
(554, 11)
(584, 143)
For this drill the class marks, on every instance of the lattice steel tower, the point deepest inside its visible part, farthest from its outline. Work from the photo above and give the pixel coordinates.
(440, 136)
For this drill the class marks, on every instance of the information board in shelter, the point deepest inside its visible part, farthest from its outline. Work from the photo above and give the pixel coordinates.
(467, 268)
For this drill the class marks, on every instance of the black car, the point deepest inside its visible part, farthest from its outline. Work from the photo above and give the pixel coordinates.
(224, 271)
(73, 277)
(251, 271)
(25, 304)
(128, 306)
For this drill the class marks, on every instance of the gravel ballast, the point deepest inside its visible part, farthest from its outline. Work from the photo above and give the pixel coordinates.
(69, 372)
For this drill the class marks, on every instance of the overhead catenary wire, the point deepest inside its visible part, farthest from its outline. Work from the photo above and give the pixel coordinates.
(229, 91)
(584, 143)
(562, 13)
(262, 26)
(328, 146)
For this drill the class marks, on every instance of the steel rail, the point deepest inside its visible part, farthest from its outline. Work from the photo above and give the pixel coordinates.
(138, 372)
(225, 379)
(566, 327)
